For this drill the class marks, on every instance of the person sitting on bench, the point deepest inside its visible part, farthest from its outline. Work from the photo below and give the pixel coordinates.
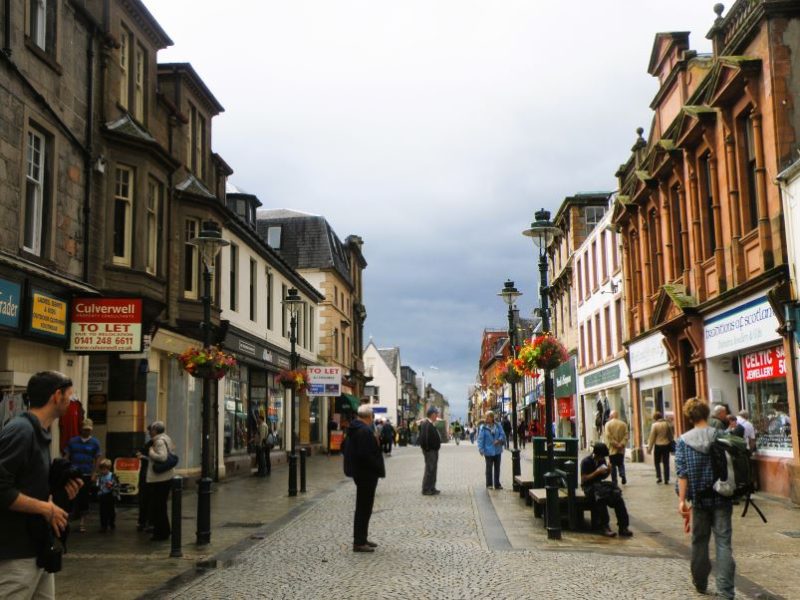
(602, 494)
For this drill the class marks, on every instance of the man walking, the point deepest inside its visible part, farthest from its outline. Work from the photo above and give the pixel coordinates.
(506, 423)
(261, 447)
(363, 462)
(27, 511)
(700, 504)
(616, 434)
(430, 442)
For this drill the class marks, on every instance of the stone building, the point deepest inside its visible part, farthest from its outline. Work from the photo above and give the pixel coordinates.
(704, 246)
(310, 246)
(576, 218)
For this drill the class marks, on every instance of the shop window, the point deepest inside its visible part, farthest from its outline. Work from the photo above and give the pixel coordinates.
(767, 398)
(236, 411)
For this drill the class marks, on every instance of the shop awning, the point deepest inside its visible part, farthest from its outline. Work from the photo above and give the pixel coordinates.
(347, 400)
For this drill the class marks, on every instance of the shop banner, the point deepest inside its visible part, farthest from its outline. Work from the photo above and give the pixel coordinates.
(127, 471)
(747, 325)
(106, 325)
(48, 315)
(324, 380)
(10, 293)
(764, 364)
(566, 408)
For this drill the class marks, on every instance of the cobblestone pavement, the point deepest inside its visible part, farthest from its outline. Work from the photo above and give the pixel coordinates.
(466, 543)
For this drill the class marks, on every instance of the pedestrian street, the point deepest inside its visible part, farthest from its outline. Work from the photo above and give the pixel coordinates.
(470, 542)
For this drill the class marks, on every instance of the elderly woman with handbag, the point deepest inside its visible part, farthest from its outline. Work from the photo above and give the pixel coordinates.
(160, 470)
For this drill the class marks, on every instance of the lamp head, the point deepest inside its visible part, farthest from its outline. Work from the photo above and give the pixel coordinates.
(542, 230)
(293, 300)
(209, 242)
(509, 293)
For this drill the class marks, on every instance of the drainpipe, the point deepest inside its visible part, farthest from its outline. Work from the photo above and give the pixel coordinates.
(89, 154)
(7, 27)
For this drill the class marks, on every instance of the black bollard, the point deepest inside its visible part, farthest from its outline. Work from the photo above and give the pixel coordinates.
(572, 507)
(303, 453)
(292, 458)
(177, 516)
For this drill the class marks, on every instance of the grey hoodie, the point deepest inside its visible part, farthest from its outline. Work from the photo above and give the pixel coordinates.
(700, 439)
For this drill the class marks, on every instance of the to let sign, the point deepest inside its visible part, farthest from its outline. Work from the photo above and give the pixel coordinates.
(764, 364)
(106, 325)
(324, 380)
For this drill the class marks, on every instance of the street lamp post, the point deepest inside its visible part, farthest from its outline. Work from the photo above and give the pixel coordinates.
(509, 294)
(543, 232)
(209, 243)
(293, 303)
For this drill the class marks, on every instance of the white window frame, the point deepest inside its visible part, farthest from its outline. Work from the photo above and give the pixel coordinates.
(191, 294)
(152, 210)
(39, 23)
(138, 83)
(36, 163)
(274, 236)
(125, 40)
(119, 196)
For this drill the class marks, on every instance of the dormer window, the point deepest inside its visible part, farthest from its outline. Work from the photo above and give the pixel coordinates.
(274, 237)
(132, 75)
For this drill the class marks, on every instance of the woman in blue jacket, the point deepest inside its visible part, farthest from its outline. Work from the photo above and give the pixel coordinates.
(491, 441)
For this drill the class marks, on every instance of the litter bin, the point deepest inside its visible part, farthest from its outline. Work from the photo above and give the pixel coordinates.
(564, 450)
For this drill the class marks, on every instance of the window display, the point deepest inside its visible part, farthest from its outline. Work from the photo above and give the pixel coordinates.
(236, 411)
(767, 396)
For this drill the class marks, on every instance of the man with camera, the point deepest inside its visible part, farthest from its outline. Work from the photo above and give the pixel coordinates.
(594, 470)
(29, 519)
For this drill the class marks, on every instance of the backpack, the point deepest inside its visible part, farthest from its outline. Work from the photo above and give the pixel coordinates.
(733, 473)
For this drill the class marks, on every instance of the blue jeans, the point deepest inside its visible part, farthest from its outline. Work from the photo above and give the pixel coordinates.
(493, 462)
(704, 521)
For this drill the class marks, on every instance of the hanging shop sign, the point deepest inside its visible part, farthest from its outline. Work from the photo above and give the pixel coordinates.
(748, 324)
(764, 364)
(324, 380)
(48, 315)
(564, 376)
(106, 325)
(10, 294)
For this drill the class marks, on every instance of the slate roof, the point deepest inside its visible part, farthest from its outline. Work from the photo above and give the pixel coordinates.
(391, 356)
(307, 241)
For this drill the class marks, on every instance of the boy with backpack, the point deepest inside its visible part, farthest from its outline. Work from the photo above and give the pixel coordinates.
(708, 510)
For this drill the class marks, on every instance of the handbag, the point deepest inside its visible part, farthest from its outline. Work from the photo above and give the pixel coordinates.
(672, 446)
(165, 465)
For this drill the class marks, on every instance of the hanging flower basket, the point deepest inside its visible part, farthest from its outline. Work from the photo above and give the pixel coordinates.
(511, 372)
(296, 379)
(206, 363)
(543, 352)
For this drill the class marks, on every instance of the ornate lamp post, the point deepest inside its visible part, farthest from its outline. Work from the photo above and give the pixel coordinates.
(509, 294)
(209, 243)
(293, 302)
(543, 232)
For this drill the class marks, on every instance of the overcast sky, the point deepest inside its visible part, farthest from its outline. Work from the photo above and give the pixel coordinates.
(433, 129)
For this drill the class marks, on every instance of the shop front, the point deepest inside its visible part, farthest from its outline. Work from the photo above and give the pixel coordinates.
(603, 390)
(566, 396)
(746, 368)
(651, 388)
(34, 325)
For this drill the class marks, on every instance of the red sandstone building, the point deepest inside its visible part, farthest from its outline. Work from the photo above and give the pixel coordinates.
(704, 246)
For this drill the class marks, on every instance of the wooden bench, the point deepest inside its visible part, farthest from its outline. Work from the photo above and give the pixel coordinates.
(538, 498)
(524, 485)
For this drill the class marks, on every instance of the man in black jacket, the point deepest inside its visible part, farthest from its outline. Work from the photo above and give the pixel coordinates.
(363, 462)
(430, 442)
(27, 509)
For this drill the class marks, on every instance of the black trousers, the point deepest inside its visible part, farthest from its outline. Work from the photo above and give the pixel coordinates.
(600, 511)
(662, 459)
(144, 504)
(108, 512)
(617, 464)
(261, 459)
(159, 493)
(365, 499)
